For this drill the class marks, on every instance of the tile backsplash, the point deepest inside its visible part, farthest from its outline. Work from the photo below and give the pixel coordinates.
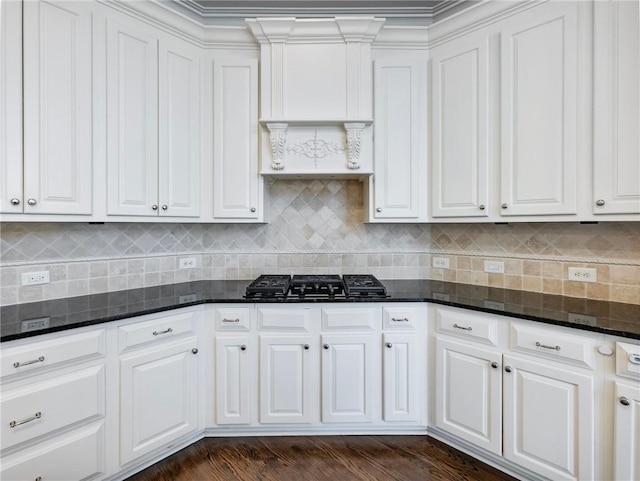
(316, 227)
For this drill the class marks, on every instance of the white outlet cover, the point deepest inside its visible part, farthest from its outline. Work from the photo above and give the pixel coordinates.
(582, 274)
(187, 263)
(35, 278)
(494, 267)
(440, 262)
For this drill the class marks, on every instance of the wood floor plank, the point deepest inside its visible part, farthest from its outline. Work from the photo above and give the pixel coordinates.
(320, 458)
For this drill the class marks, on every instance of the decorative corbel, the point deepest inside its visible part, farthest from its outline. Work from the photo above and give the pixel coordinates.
(354, 137)
(278, 139)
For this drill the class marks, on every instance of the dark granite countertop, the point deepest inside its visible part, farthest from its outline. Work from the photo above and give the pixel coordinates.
(21, 320)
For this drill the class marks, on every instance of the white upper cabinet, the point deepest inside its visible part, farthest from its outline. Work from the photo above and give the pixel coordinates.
(236, 183)
(152, 87)
(460, 130)
(400, 132)
(616, 140)
(539, 104)
(54, 176)
(11, 199)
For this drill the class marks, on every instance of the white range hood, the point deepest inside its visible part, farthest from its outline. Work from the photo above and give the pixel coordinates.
(316, 95)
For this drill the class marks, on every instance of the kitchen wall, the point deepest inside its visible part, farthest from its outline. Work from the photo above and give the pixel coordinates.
(316, 226)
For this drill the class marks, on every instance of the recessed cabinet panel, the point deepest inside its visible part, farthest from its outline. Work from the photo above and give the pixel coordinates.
(400, 385)
(57, 108)
(460, 129)
(11, 107)
(400, 130)
(626, 447)
(539, 86)
(179, 126)
(233, 391)
(132, 121)
(235, 134)
(616, 108)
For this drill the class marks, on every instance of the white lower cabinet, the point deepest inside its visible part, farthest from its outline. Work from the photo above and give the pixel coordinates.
(469, 393)
(548, 419)
(626, 441)
(288, 382)
(233, 380)
(400, 385)
(348, 372)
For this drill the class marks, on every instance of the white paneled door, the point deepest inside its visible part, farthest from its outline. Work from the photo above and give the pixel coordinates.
(401, 387)
(627, 431)
(233, 379)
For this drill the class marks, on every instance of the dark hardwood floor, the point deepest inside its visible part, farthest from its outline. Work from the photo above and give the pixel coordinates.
(319, 458)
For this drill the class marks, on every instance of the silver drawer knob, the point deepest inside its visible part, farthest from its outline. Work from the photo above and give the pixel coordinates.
(494, 365)
(624, 401)
(306, 347)
(32, 201)
(326, 346)
(15, 201)
(379, 209)
(481, 207)
(243, 347)
(507, 368)
(505, 206)
(253, 209)
(389, 345)
(154, 207)
(165, 206)
(600, 202)
(194, 350)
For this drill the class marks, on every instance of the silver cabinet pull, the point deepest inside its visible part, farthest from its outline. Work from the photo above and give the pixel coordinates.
(624, 401)
(165, 206)
(505, 206)
(326, 346)
(634, 358)
(463, 328)
(230, 320)
(253, 209)
(389, 345)
(154, 207)
(157, 333)
(507, 368)
(600, 202)
(15, 201)
(306, 347)
(555, 348)
(39, 478)
(399, 319)
(37, 415)
(379, 209)
(494, 365)
(26, 363)
(481, 207)
(243, 347)
(194, 350)
(32, 201)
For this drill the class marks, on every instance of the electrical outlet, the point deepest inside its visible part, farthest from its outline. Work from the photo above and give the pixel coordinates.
(582, 274)
(188, 263)
(35, 278)
(188, 298)
(35, 324)
(493, 305)
(494, 267)
(439, 296)
(582, 319)
(441, 262)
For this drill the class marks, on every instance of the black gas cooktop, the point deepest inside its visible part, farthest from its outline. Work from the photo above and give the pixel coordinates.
(317, 286)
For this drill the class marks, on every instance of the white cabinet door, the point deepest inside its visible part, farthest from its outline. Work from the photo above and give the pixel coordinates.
(400, 132)
(132, 121)
(11, 199)
(179, 129)
(232, 384)
(627, 431)
(616, 139)
(549, 419)
(401, 378)
(460, 128)
(236, 181)
(158, 397)
(57, 108)
(287, 387)
(469, 393)
(539, 85)
(348, 371)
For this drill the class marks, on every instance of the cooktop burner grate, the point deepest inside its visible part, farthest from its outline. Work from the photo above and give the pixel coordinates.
(363, 285)
(269, 286)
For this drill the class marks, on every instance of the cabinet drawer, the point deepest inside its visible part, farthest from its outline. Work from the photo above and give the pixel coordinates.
(35, 356)
(349, 319)
(551, 344)
(42, 407)
(78, 455)
(399, 318)
(157, 329)
(233, 319)
(628, 360)
(274, 319)
(475, 327)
